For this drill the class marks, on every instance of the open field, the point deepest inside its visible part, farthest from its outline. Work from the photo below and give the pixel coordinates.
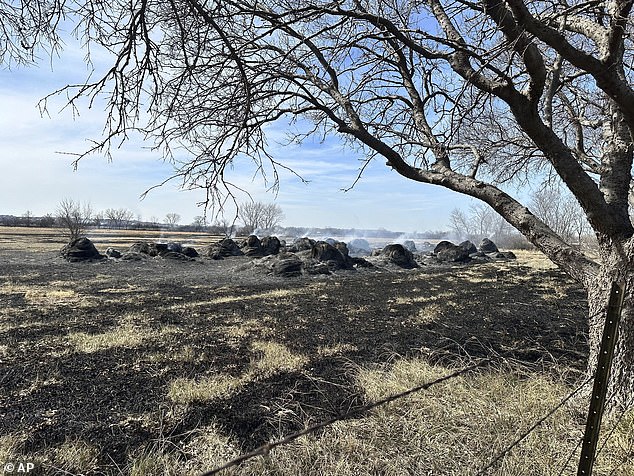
(52, 239)
(172, 368)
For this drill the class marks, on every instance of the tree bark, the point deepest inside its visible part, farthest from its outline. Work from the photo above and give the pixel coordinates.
(618, 266)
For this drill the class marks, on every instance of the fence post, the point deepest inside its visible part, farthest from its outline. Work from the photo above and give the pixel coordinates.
(601, 380)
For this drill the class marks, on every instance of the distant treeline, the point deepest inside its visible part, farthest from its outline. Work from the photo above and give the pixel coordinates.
(47, 221)
(361, 233)
(50, 221)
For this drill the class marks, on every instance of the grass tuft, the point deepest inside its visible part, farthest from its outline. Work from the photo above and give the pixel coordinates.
(275, 358)
(454, 428)
(9, 447)
(74, 456)
(184, 390)
(122, 336)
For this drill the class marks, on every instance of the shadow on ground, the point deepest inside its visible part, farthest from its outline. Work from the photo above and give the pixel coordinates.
(199, 320)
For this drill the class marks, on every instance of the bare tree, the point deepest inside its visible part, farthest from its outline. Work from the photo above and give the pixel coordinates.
(74, 217)
(481, 221)
(250, 214)
(199, 223)
(172, 219)
(28, 218)
(119, 218)
(460, 224)
(223, 227)
(467, 95)
(561, 212)
(258, 215)
(98, 218)
(272, 216)
(47, 221)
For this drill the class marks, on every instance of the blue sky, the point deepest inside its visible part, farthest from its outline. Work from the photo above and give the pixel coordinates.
(36, 176)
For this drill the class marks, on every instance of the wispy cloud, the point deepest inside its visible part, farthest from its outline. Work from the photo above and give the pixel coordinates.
(36, 176)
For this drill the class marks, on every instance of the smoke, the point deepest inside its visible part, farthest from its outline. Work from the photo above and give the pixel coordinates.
(376, 239)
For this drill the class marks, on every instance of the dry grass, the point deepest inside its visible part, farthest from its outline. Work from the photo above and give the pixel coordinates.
(187, 354)
(270, 359)
(184, 390)
(241, 330)
(207, 444)
(534, 259)
(31, 239)
(274, 295)
(55, 294)
(124, 336)
(336, 349)
(212, 356)
(52, 239)
(453, 429)
(275, 358)
(73, 456)
(9, 447)
(127, 334)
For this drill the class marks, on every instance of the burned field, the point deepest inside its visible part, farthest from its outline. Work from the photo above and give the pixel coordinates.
(125, 367)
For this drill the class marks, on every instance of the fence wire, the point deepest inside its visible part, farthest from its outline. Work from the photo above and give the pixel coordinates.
(264, 449)
(533, 427)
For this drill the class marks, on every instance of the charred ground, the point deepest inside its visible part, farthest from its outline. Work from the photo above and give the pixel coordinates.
(92, 351)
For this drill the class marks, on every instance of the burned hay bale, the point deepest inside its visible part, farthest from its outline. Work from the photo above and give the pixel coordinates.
(173, 255)
(400, 256)
(175, 247)
(251, 246)
(336, 257)
(223, 249)
(270, 245)
(81, 249)
(190, 252)
(140, 247)
(301, 244)
(410, 245)
(134, 256)
(113, 253)
(469, 247)
(443, 245)
(448, 252)
(359, 247)
(288, 266)
(487, 246)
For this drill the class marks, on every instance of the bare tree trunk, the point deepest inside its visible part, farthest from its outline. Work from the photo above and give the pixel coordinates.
(618, 268)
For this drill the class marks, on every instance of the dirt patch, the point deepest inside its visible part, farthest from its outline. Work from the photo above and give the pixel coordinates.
(120, 354)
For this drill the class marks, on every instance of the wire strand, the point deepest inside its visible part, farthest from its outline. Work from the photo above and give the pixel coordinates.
(524, 435)
(264, 449)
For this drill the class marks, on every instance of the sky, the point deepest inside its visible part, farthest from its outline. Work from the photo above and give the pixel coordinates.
(37, 172)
